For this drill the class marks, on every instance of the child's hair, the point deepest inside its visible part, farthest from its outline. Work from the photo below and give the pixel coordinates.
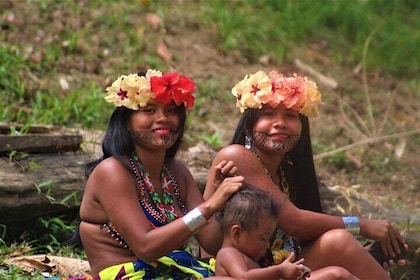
(244, 208)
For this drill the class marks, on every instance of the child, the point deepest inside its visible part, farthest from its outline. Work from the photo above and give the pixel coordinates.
(248, 221)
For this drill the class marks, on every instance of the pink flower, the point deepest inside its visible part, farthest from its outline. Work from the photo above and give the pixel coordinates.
(295, 92)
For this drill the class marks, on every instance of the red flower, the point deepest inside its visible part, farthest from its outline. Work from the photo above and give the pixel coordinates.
(173, 87)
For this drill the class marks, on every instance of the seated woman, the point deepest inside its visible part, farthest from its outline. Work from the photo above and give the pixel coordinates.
(141, 205)
(271, 148)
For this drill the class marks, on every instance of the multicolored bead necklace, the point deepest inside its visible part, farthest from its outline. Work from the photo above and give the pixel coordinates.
(162, 211)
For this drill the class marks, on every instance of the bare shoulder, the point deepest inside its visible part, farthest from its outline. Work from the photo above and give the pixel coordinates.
(226, 254)
(178, 168)
(233, 152)
(109, 164)
(110, 173)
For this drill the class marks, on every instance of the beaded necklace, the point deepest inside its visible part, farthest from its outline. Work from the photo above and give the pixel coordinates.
(158, 213)
(162, 211)
(284, 186)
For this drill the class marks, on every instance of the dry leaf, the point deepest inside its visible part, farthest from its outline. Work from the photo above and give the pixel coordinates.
(154, 20)
(21, 251)
(54, 265)
(163, 52)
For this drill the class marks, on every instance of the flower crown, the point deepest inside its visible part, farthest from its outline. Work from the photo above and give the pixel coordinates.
(134, 91)
(296, 92)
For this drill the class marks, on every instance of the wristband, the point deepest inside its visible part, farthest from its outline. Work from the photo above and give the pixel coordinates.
(352, 224)
(194, 219)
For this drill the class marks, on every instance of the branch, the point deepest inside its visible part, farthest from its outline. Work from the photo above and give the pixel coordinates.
(365, 142)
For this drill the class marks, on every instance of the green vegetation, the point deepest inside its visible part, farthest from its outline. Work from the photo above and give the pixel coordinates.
(57, 56)
(39, 82)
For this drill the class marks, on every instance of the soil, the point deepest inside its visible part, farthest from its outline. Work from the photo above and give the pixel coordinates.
(385, 167)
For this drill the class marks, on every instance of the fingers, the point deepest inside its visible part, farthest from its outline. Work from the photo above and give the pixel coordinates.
(304, 272)
(300, 261)
(233, 183)
(228, 187)
(226, 168)
(291, 257)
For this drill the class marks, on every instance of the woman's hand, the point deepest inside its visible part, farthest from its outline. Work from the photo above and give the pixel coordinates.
(387, 236)
(223, 170)
(227, 187)
(225, 184)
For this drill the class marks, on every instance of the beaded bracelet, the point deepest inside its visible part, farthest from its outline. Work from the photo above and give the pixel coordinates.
(352, 224)
(194, 219)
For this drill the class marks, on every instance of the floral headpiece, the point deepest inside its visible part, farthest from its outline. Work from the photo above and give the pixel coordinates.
(134, 91)
(296, 92)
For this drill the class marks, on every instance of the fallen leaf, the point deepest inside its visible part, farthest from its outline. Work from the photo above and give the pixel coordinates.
(54, 265)
(163, 52)
(154, 20)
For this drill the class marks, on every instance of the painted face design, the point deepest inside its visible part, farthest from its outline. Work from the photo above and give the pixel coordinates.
(154, 138)
(284, 146)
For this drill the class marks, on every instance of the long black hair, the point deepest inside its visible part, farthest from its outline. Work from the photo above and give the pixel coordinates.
(118, 141)
(297, 164)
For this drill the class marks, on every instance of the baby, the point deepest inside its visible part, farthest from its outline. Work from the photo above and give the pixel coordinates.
(248, 221)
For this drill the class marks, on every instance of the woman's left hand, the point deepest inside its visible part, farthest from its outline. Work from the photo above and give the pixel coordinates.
(388, 237)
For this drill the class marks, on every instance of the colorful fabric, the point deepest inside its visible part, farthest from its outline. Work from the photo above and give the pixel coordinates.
(69, 278)
(179, 264)
(282, 245)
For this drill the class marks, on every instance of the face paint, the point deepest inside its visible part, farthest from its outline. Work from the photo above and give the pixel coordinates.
(264, 140)
(152, 138)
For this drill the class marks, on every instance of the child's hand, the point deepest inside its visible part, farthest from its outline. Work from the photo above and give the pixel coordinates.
(295, 270)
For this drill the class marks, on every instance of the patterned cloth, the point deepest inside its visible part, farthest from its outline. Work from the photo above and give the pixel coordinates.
(179, 264)
(282, 245)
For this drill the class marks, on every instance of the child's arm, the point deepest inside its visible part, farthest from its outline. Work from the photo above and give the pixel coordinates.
(230, 262)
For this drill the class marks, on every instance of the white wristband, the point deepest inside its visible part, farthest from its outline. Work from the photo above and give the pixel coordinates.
(352, 224)
(194, 219)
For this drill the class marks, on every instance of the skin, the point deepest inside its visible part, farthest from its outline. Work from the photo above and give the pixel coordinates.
(111, 194)
(241, 250)
(326, 255)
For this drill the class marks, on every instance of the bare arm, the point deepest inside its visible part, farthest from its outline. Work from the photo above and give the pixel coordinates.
(231, 262)
(113, 190)
(305, 224)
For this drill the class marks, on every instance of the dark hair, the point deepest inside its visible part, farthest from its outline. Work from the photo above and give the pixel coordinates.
(244, 207)
(118, 142)
(304, 192)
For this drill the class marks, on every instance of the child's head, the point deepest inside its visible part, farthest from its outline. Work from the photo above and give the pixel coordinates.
(249, 218)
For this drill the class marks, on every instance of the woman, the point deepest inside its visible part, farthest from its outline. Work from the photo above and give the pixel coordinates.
(141, 204)
(272, 140)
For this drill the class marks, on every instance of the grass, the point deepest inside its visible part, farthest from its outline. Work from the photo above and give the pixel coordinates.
(55, 65)
(30, 84)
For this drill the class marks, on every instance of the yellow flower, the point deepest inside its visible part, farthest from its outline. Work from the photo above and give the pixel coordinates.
(251, 89)
(119, 95)
(313, 97)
